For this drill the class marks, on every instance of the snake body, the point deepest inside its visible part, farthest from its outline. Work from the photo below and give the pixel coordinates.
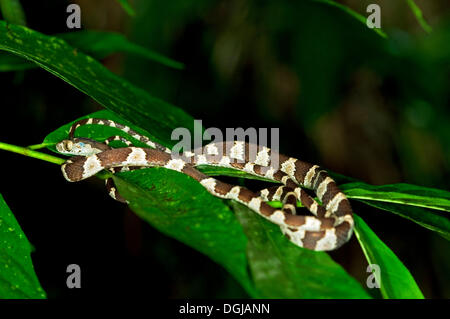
(329, 228)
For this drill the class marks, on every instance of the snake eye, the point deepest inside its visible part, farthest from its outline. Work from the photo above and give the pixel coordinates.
(68, 144)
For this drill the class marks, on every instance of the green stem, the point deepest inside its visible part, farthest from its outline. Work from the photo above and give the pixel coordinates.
(39, 146)
(30, 153)
(42, 156)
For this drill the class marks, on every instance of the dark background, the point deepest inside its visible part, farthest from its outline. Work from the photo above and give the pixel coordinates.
(372, 109)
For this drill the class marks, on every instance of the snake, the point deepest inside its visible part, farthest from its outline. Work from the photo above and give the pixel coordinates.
(329, 226)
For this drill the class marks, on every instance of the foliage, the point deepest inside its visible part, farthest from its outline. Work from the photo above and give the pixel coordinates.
(17, 277)
(266, 264)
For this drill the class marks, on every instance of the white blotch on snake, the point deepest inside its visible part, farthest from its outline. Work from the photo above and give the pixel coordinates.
(263, 157)
(309, 175)
(269, 173)
(328, 241)
(323, 187)
(334, 203)
(91, 166)
(289, 166)
(137, 157)
(237, 151)
(175, 164)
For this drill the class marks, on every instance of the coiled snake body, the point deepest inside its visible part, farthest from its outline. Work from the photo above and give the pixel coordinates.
(329, 228)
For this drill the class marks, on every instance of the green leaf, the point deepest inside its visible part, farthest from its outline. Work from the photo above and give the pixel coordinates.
(127, 7)
(181, 208)
(99, 132)
(98, 44)
(283, 270)
(17, 277)
(12, 11)
(395, 280)
(93, 79)
(415, 203)
(400, 193)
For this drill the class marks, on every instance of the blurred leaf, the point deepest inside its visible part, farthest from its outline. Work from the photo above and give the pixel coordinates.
(282, 270)
(127, 7)
(10, 62)
(17, 277)
(98, 44)
(354, 14)
(325, 59)
(161, 26)
(101, 44)
(12, 11)
(93, 79)
(395, 279)
(419, 16)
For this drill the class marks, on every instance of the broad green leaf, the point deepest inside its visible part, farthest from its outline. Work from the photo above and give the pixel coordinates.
(174, 203)
(401, 193)
(127, 7)
(395, 280)
(17, 277)
(93, 79)
(427, 218)
(98, 44)
(181, 208)
(415, 203)
(12, 11)
(283, 270)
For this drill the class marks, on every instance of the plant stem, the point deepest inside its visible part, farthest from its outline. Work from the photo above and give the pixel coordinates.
(39, 146)
(30, 153)
(42, 156)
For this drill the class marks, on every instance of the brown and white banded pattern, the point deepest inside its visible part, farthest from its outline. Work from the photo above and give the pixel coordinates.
(123, 128)
(329, 228)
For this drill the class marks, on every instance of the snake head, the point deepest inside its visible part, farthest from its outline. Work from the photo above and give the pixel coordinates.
(65, 146)
(80, 147)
